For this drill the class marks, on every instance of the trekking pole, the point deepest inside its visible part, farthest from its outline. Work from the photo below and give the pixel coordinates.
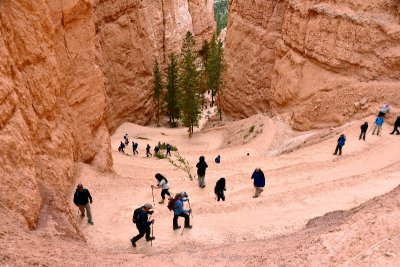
(152, 234)
(190, 208)
(153, 195)
(183, 231)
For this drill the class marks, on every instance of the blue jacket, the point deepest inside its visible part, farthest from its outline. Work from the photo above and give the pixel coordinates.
(342, 140)
(259, 179)
(142, 220)
(379, 121)
(178, 207)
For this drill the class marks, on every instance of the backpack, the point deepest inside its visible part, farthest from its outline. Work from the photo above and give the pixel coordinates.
(171, 203)
(136, 215)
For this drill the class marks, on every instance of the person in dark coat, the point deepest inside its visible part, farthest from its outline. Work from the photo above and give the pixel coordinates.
(82, 198)
(396, 125)
(141, 219)
(340, 143)
(218, 159)
(168, 150)
(201, 171)
(219, 189)
(364, 129)
(148, 151)
(121, 147)
(259, 181)
(134, 148)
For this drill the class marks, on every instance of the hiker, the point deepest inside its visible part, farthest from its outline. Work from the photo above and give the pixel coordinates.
(364, 129)
(141, 219)
(259, 181)
(219, 189)
(218, 159)
(378, 125)
(168, 150)
(384, 109)
(148, 151)
(201, 171)
(179, 211)
(163, 184)
(82, 198)
(121, 148)
(156, 149)
(340, 143)
(396, 124)
(134, 148)
(126, 139)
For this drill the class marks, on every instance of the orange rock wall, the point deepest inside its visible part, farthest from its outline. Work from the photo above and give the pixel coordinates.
(312, 61)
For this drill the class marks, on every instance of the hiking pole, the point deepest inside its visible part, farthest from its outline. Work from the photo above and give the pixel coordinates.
(153, 196)
(190, 208)
(152, 234)
(183, 231)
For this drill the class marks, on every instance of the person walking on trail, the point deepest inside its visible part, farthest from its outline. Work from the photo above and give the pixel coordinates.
(126, 139)
(148, 151)
(396, 125)
(364, 129)
(218, 159)
(121, 147)
(219, 189)
(134, 148)
(378, 125)
(201, 171)
(141, 219)
(340, 143)
(384, 109)
(259, 181)
(179, 211)
(156, 149)
(168, 150)
(162, 183)
(83, 199)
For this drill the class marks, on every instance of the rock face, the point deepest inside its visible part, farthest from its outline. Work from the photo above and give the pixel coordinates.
(310, 60)
(130, 34)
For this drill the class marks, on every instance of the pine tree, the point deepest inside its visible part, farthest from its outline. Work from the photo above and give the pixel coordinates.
(189, 96)
(172, 90)
(158, 87)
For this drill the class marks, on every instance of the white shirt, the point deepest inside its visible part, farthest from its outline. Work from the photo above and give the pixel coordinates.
(164, 185)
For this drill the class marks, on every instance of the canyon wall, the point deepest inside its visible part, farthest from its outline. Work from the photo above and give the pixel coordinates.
(316, 62)
(130, 34)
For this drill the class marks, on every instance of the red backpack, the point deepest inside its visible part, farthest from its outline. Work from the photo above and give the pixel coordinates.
(171, 203)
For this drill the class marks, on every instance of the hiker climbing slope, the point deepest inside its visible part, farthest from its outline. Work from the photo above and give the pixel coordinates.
(201, 171)
(364, 129)
(258, 181)
(82, 198)
(168, 150)
(218, 159)
(148, 151)
(396, 125)
(378, 125)
(179, 210)
(162, 183)
(340, 143)
(134, 148)
(141, 219)
(121, 147)
(219, 189)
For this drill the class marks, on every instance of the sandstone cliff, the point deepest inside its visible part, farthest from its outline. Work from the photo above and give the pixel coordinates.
(312, 61)
(130, 34)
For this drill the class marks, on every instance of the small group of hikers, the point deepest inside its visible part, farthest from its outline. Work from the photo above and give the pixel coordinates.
(135, 146)
(377, 127)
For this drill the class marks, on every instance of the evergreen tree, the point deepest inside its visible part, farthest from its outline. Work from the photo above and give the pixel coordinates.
(214, 67)
(172, 90)
(157, 89)
(189, 96)
(204, 51)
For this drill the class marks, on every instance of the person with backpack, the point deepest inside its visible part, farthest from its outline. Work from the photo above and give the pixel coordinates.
(148, 151)
(384, 109)
(364, 129)
(179, 211)
(378, 125)
(340, 143)
(164, 185)
(141, 219)
(201, 171)
(156, 149)
(219, 189)
(396, 124)
(168, 150)
(121, 147)
(218, 159)
(134, 148)
(82, 198)
(126, 139)
(258, 181)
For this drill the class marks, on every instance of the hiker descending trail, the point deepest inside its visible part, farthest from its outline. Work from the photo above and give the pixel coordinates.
(134, 148)
(126, 139)
(364, 129)
(121, 147)
(164, 185)
(259, 181)
(83, 199)
(148, 147)
(168, 150)
(201, 171)
(340, 143)
(378, 125)
(141, 219)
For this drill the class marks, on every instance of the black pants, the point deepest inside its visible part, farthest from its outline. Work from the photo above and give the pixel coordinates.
(168, 153)
(165, 192)
(220, 195)
(338, 148)
(395, 130)
(184, 215)
(135, 151)
(142, 232)
(362, 135)
(148, 153)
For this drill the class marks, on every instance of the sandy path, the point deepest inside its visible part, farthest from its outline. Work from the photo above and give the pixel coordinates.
(300, 185)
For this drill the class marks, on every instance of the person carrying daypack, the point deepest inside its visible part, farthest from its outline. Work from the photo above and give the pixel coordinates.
(168, 150)
(218, 159)
(364, 129)
(258, 181)
(164, 185)
(201, 171)
(148, 151)
(156, 149)
(141, 219)
(378, 125)
(121, 148)
(219, 189)
(340, 143)
(396, 125)
(83, 199)
(179, 210)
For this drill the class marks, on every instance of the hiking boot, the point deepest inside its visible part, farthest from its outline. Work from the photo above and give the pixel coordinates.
(133, 243)
(150, 238)
(255, 196)
(91, 222)
(82, 215)
(161, 202)
(177, 227)
(188, 226)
